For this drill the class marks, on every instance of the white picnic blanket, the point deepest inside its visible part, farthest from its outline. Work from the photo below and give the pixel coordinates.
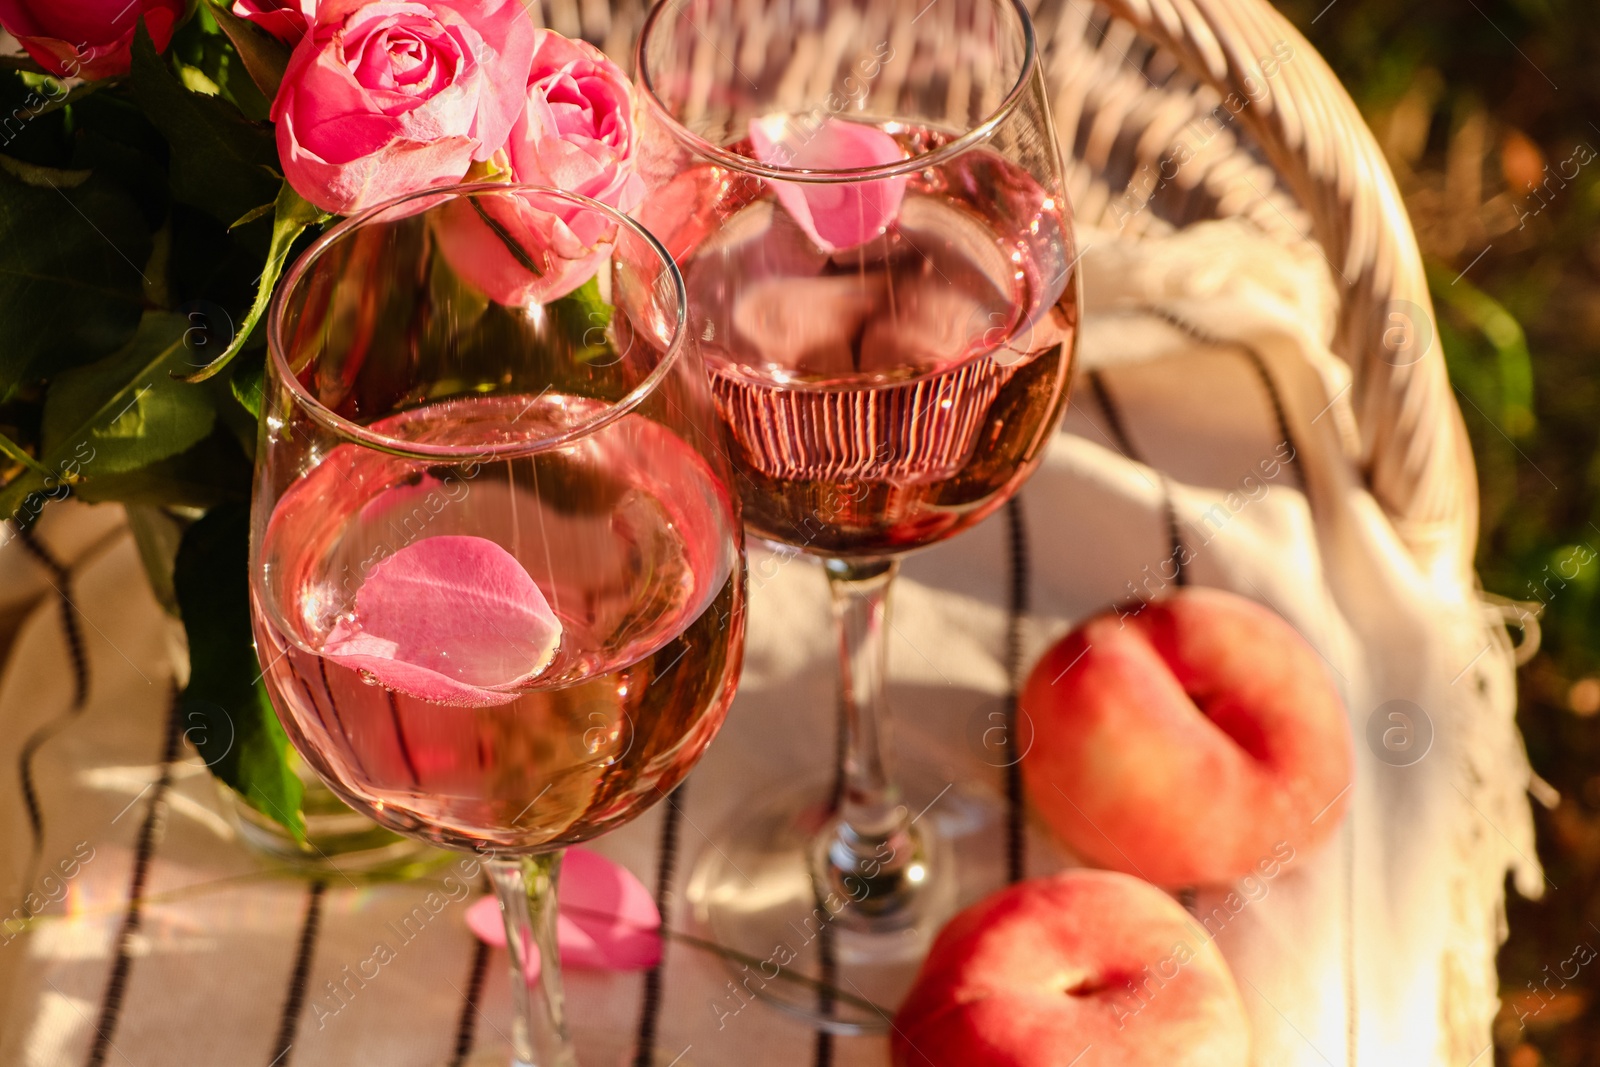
(1376, 949)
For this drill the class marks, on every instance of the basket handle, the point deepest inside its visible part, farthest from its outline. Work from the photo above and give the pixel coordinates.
(1414, 449)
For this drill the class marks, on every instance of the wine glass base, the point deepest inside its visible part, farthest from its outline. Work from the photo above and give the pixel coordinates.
(755, 896)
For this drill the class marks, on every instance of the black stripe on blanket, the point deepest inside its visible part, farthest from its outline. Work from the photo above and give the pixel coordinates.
(69, 621)
(1279, 414)
(1274, 397)
(1187, 896)
(1017, 601)
(1016, 613)
(467, 1024)
(655, 978)
(294, 999)
(1119, 431)
(822, 1050)
(72, 633)
(133, 917)
(822, 1054)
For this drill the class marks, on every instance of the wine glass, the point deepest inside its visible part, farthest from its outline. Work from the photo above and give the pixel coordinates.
(866, 200)
(497, 575)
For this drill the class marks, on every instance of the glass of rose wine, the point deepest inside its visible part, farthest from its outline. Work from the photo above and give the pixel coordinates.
(497, 571)
(866, 200)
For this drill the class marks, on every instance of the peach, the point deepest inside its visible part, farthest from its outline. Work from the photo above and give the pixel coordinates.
(1187, 740)
(1037, 973)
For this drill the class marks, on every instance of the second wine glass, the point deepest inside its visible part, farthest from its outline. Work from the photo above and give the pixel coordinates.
(497, 571)
(868, 207)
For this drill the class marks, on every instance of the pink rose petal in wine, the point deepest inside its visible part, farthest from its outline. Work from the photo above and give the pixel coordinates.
(453, 620)
(607, 920)
(835, 215)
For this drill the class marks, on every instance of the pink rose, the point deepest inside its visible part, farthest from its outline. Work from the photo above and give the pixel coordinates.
(576, 130)
(385, 98)
(287, 20)
(531, 249)
(87, 38)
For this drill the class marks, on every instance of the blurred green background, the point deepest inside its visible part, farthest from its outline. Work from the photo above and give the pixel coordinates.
(1489, 113)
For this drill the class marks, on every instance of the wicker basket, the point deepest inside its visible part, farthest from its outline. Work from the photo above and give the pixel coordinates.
(1171, 112)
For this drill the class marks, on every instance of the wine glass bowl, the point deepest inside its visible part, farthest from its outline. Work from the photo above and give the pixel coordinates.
(867, 202)
(884, 394)
(497, 569)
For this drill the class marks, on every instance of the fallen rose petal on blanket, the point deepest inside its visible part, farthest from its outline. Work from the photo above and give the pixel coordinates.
(608, 919)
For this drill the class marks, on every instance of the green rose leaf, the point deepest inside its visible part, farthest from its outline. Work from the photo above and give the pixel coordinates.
(264, 56)
(585, 316)
(213, 472)
(247, 386)
(221, 162)
(69, 280)
(292, 216)
(128, 409)
(209, 61)
(225, 709)
(117, 415)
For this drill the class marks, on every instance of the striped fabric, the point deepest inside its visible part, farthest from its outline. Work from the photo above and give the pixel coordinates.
(143, 932)
(312, 992)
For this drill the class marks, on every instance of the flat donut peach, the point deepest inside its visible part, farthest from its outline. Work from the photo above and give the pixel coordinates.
(1037, 973)
(1188, 741)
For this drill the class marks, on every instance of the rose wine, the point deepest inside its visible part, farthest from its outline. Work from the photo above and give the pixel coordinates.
(885, 396)
(631, 539)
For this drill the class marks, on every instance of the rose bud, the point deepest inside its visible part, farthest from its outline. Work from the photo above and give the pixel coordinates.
(287, 20)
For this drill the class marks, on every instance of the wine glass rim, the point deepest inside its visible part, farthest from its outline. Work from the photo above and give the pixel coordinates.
(356, 433)
(813, 175)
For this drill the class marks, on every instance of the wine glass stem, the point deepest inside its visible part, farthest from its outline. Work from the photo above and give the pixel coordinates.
(872, 856)
(526, 886)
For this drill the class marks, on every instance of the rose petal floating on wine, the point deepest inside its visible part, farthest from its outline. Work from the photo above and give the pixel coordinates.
(607, 921)
(452, 620)
(836, 215)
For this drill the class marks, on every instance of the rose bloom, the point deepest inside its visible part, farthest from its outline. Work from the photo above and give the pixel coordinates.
(565, 245)
(576, 130)
(386, 98)
(287, 20)
(576, 133)
(87, 38)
